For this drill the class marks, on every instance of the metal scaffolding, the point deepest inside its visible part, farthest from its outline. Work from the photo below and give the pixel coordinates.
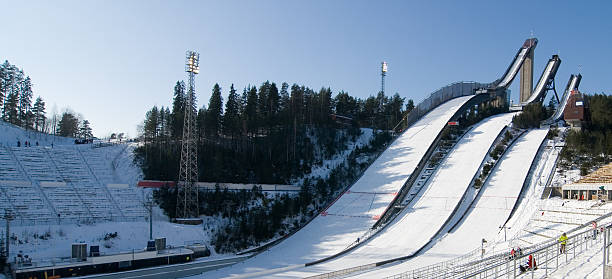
(187, 198)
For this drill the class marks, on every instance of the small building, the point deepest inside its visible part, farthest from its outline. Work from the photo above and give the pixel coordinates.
(576, 111)
(587, 191)
(594, 186)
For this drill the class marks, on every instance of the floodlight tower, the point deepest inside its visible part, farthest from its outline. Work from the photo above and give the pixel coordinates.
(383, 73)
(187, 198)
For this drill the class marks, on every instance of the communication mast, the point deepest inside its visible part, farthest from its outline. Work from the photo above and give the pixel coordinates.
(383, 73)
(187, 198)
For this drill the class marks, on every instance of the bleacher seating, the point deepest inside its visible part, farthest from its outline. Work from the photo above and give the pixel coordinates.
(558, 216)
(125, 197)
(75, 172)
(601, 175)
(36, 164)
(65, 184)
(26, 201)
(9, 170)
(100, 162)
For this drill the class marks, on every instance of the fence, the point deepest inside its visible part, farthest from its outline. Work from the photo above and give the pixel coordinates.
(21, 221)
(549, 257)
(607, 270)
(500, 264)
(453, 90)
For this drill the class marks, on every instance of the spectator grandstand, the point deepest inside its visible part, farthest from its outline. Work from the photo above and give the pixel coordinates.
(66, 183)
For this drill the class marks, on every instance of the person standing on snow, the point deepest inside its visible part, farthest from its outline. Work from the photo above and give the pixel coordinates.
(563, 241)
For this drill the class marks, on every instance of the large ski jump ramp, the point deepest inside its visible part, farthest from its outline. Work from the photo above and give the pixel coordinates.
(489, 211)
(430, 209)
(355, 211)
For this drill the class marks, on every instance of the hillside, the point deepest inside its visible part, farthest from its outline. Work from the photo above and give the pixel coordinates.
(11, 134)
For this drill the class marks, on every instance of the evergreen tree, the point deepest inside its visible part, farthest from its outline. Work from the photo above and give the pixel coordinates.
(151, 124)
(85, 130)
(250, 110)
(214, 112)
(10, 110)
(273, 104)
(395, 108)
(231, 119)
(409, 105)
(68, 125)
(201, 123)
(324, 106)
(262, 102)
(178, 110)
(369, 112)
(39, 114)
(25, 104)
(161, 125)
(167, 123)
(346, 105)
(8, 88)
(284, 104)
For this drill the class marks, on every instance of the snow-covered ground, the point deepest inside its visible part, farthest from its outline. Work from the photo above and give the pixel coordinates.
(356, 210)
(124, 167)
(44, 242)
(323, 170)
(11, 134)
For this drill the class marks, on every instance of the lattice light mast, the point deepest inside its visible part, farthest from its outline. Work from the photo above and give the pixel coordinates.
(187, 198)
(383, 73)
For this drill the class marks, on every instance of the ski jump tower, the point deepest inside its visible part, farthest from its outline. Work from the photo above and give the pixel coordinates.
(187, 198)
(527, 73)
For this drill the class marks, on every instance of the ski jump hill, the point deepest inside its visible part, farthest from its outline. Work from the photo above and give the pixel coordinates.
(401, 208)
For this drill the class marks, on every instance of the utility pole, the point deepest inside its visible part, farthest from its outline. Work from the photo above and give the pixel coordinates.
(8, 217)
(149, 205)
(504, 227)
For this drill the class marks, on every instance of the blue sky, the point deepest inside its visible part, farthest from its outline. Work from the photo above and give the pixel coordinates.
(111, 61)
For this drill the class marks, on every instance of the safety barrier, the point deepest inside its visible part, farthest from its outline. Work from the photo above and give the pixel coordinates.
(546, 259)
(500, 264)
(451, 91)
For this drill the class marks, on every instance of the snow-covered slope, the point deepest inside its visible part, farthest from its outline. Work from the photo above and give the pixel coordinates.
(489, 211)
(356, 210)
(11, 134)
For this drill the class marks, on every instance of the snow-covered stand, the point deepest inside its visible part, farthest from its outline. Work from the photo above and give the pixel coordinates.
(61, 184)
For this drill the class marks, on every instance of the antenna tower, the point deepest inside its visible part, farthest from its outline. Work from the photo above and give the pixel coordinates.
(383, 73)
(187, 198)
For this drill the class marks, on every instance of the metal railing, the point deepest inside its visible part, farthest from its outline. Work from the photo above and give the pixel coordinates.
(546, 259)
(453, 90)
(462, 267)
